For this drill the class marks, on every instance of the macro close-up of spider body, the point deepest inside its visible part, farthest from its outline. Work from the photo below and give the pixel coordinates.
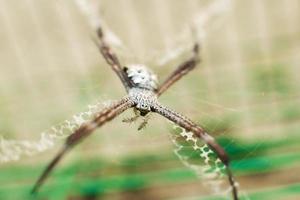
(143, 91)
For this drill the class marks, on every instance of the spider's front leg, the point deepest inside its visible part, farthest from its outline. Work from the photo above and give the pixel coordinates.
(188, 125)
(135, 117)
(132, 119)
(144, 122)
(82, 132)
(181, 70)
(112, 59)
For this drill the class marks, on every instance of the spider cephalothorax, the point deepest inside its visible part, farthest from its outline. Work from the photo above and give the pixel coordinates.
(145, 83)
(142, 95)
(143, 99)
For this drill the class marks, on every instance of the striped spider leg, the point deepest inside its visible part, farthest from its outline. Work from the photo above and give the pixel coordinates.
(85, 130)
(187, 124)
(199, 132)
(180, 71)
(112, 59)
(143, 90)
(103, 116)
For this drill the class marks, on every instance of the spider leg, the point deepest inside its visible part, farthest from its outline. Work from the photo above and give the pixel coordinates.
(180, 71)
(132, 119)
(187, 124)
(135, 117)
(112, 59)
(85, 130)
(144, 122)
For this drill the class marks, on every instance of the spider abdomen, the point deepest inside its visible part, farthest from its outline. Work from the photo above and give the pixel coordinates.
(142, 77)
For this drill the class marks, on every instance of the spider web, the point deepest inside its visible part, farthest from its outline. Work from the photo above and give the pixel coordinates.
(197, 156)
(90, 9)
(13, 150)
(208, 18)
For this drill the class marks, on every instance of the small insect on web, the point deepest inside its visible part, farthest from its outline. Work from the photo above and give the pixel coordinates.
(198, 156)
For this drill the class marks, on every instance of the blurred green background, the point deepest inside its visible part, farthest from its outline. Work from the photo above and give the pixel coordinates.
(245, 93)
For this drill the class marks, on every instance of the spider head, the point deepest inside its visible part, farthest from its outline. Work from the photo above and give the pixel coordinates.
(142, 77)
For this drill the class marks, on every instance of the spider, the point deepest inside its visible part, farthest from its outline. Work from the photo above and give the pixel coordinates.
(142, 95)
